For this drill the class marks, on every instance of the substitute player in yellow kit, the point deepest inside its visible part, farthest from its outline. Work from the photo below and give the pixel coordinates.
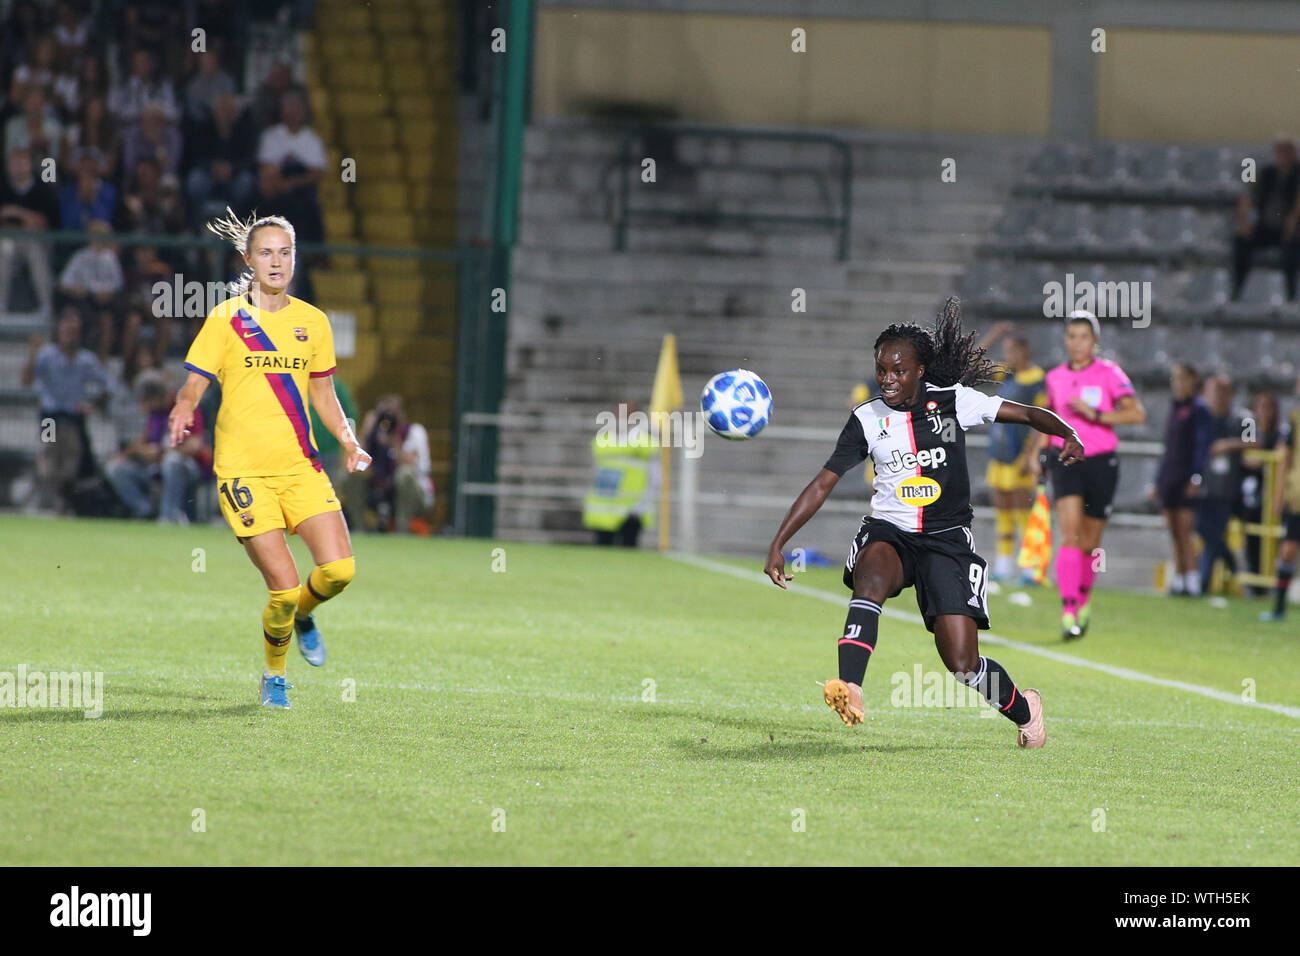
(271, 353)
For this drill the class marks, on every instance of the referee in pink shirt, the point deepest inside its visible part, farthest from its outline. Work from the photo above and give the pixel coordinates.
(1092, 395)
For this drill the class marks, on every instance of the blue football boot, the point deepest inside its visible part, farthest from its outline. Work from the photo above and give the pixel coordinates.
(274, 691)
(310, 642)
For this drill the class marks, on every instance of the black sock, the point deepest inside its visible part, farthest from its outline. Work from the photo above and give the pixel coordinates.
(992, 680)
(1284, 571)
(859, 639)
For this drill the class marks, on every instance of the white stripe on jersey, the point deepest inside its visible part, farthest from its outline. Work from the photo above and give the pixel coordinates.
(891, 437)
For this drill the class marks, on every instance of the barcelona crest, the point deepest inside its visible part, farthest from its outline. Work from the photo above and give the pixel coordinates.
(300, 335)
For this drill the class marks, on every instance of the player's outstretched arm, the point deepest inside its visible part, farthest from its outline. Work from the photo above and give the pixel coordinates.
(804, 507)
(326, 402)
(181, 419)
(1047, 422)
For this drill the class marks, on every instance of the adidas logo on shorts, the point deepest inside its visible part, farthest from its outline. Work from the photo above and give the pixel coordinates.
(974, 601)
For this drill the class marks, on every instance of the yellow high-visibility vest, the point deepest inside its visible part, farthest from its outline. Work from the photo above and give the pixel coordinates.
(622, 475)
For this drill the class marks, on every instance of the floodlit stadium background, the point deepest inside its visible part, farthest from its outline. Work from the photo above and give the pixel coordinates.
(489, 247)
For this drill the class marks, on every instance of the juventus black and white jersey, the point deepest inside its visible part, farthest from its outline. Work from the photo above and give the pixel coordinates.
(922, 483)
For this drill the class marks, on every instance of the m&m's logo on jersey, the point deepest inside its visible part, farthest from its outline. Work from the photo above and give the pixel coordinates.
(918, 491)
(300, 335)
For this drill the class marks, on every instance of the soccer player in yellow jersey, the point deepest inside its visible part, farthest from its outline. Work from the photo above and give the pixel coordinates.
(271, 353)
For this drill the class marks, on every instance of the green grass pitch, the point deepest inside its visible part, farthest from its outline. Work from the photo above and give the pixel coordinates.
(500, 716)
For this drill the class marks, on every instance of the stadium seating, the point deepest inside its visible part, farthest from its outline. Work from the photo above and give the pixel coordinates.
(386, 72)
(587, 321)
(1024, 216)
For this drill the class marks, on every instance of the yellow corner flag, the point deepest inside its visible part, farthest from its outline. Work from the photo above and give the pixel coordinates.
(666, 397)
(667, 394)
(1036, 549)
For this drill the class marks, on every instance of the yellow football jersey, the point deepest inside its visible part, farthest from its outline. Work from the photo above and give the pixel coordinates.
(263, 362)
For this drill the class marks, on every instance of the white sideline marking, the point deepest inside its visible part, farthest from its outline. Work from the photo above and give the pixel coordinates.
(988, 637)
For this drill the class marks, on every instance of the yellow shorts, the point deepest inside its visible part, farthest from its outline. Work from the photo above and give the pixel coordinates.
(257, 505)
(1002, 476)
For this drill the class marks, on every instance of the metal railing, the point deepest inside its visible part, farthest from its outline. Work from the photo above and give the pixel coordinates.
(840, 219)
(689, 497)
(206, 259)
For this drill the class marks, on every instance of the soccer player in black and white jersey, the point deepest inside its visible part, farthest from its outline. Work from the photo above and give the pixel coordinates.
(918, 533)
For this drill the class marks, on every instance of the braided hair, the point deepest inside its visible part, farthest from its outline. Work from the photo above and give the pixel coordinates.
(950, 356)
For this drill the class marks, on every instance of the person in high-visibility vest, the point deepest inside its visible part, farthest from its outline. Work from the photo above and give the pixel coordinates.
(625, 487)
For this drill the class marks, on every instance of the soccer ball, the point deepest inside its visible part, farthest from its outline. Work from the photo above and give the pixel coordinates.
(736, 404)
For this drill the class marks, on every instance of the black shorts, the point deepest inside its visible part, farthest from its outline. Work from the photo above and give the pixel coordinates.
(1094, 479)
(1290, 525)
(949, 577)
(1174, 497)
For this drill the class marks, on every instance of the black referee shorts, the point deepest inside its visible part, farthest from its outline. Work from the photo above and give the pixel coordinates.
(1093, 479)
(949, 577)
(1291, 525)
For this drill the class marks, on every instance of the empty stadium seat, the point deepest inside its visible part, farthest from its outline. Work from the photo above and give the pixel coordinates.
(1110, 166)
(1213, 168)
(1069, 227)
(985, 281)
(1175, 230)
(1054, 163)
(1207, 288)
(1158, 169)
(1123, 228)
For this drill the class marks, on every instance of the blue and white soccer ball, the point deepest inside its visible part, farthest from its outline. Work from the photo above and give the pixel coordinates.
(736, 404)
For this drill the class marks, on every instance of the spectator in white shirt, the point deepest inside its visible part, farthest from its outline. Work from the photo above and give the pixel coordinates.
(291, 160)
(92, 280)
(36, 128)
(141, 88)
(71, 31)
(37, 72)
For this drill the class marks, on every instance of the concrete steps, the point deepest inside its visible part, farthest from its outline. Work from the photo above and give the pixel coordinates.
(587, 322)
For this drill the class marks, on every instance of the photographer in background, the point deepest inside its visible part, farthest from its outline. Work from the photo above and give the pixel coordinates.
(397, 489)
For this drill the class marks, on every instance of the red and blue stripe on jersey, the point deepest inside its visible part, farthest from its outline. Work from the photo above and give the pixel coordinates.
(282, 384)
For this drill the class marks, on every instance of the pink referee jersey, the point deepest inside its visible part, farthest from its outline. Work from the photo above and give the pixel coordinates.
(1101, 385)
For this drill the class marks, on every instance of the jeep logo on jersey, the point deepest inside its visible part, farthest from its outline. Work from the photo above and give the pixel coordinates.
(919, 491)
(926, 458)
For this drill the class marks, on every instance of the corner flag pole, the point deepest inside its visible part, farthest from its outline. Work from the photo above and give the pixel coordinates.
(666, 398)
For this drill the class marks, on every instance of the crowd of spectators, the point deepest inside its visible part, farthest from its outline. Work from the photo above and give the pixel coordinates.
(131, 127)
(117, 125)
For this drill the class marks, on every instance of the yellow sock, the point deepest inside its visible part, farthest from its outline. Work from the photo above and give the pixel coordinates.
(1022, 522)
(1006, 526)
(324, 582)
(277, 627)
